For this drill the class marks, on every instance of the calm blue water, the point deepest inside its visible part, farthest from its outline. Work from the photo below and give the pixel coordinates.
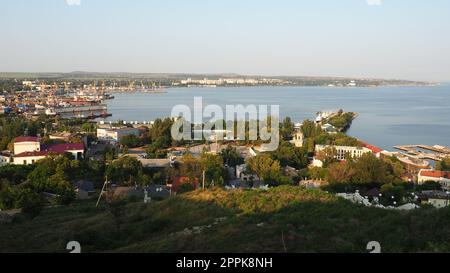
(388, 116)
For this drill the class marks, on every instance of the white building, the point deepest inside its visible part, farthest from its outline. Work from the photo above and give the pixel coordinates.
(116, 134)
(298, 139)
(4, 159)
(241, 174)
(343, 151)
(28, 158)
(26, 144)
(28, 150)
(434, 176)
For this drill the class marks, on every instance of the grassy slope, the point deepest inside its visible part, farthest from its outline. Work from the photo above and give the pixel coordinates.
(309, 221)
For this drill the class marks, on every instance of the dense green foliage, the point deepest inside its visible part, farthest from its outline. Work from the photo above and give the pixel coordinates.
(283, 219)
(342, 121)
(444, 165)
(231, 157)
(130, 141)
(289, 155)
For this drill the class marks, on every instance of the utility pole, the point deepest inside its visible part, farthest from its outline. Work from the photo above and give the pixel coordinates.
(103, 189)
(204, 179)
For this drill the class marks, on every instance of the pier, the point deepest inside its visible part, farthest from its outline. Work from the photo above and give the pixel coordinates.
(437, 153)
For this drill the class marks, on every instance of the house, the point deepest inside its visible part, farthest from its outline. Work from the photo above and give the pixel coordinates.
(440, 177)
(375, 150)
(29, 150)
(127, 192)
(28, 158)
(298, 139)
(116, 134)
(5, 158)
(329, 128)
(437, 199)
(84, 189)
(241, 174)
(26, 144)
(76, 149)
(158, 191)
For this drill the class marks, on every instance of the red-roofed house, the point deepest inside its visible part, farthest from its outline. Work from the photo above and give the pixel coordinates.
(76, 149)
(26, 144)
(375, 150)
(436, 176)
(28, 150)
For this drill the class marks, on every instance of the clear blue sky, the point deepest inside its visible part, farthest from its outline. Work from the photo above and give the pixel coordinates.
(407, 39)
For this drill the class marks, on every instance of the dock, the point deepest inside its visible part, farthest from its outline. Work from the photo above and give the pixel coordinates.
(436, 153)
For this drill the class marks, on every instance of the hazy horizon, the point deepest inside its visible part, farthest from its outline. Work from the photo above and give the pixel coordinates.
(388, 39)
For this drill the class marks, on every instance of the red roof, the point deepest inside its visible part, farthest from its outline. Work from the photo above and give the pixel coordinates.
(32, 154)
(435, 174)
(26, 139)
(62, 148)
(374, 149)
(54, 149)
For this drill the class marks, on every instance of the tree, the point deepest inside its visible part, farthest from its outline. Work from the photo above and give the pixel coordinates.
(231, 157)
(125, 170)
(370, 169)
(190, 168)
(397, 191)
(341, 172)
(327, 156)
(287, 129)
(289, 155)
(62, 187)
(443, 165)
(130, 141)
(31, 202)
(265, 167)
(89, 127)
(212, 165)
(310, 129)
(158, 148)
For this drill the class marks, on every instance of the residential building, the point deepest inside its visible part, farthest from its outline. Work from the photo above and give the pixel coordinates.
(343, 151)
(437, 199)
(26, 144)
(84, 190)
(29, 150)
(116, 134)
(434, 176)
(375, 150)
(243, 175)
(5, 158)
(298, 139)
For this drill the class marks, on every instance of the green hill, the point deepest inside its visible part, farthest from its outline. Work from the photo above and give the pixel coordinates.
(284, 219)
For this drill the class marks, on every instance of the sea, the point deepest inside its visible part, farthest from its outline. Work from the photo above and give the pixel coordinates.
(387, 116)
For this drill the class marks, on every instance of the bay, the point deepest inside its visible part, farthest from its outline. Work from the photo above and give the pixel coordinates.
(388, 116)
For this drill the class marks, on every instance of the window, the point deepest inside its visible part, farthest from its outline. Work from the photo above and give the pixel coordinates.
(24, 162)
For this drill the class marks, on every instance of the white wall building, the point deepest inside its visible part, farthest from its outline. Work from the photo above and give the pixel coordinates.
(298, 139)
(26, 144)
(116, 134)
(343, 151)
(434, 176)
(28, 158)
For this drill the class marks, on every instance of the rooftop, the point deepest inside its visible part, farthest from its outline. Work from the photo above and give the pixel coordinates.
(435, 174)
(26, 139)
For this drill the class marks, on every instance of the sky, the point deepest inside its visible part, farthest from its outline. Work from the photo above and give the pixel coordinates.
(395, 39)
